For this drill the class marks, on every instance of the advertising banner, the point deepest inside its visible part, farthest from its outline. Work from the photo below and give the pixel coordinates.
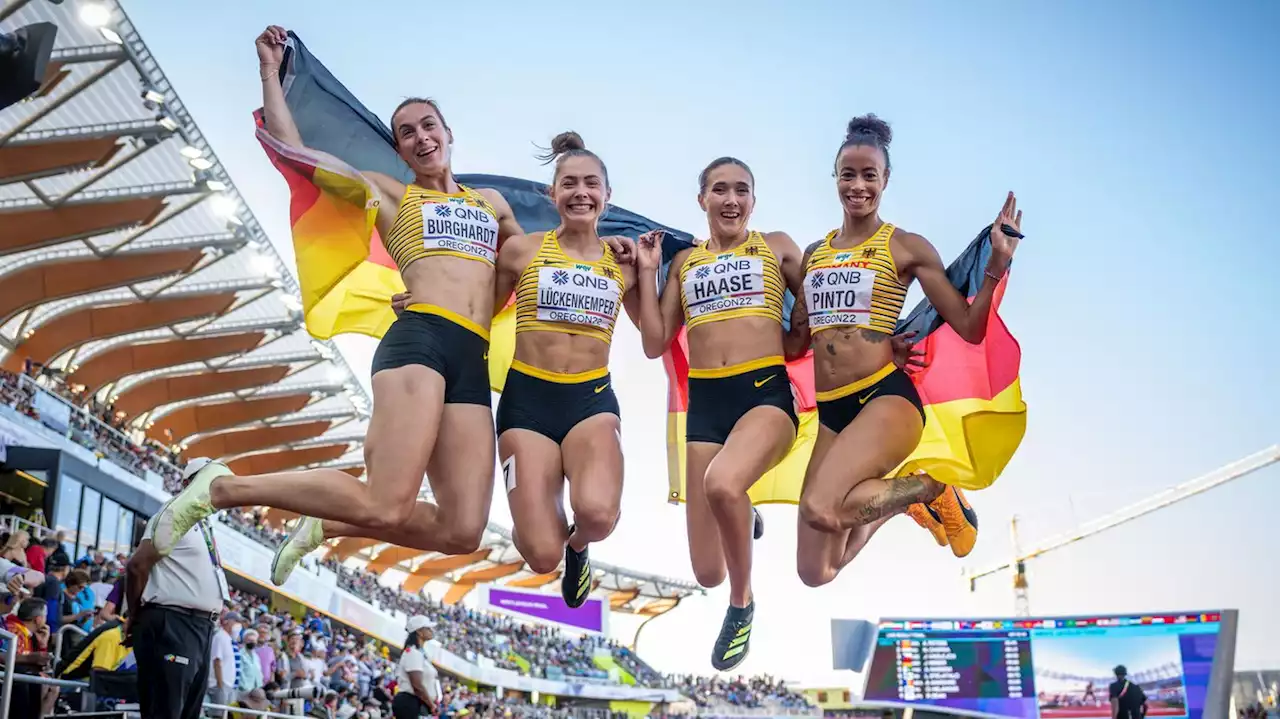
(549, 608)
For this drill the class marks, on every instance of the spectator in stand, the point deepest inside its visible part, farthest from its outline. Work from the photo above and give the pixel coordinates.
(38, 554)
(73, 607)
(31, 630)
(250, 664)
(51, 591)
(15, 547)
(60, 549)
(223, 660)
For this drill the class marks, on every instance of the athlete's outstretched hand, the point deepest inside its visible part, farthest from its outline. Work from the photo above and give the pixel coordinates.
(401, 300)
(271, 45)
(905, 354)
(624, 248)
(1004, 245)
(649, 250)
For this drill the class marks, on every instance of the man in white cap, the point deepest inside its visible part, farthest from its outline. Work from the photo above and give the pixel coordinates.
(417, 681)
(173, 605)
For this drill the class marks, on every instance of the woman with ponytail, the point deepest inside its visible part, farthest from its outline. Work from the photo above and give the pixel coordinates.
(417, 681)
(871, 416)
(558, 417)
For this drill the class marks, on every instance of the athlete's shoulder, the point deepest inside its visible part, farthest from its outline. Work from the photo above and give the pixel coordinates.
(520, 249)
(495, 198)
(779, 240)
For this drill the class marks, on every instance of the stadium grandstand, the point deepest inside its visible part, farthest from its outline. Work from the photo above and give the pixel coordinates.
(147, 319)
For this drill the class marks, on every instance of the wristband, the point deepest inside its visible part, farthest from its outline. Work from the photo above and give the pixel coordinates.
(991, 275)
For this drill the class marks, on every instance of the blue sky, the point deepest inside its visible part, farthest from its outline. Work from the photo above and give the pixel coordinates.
(1141, 142)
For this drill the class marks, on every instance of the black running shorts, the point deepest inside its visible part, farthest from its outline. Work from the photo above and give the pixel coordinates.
(457, 352)
(552, 404)
(838, 407)
(719, 398)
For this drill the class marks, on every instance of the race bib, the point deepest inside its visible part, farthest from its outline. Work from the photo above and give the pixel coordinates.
(839, 296)
(577, 296)
(728, 283)
(461, 228)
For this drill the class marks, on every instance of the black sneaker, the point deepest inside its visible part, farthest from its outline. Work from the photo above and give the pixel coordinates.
(734, 641)
(757, 528)
(575, 583)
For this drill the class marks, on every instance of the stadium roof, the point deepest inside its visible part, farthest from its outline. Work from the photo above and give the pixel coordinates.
(132, 266)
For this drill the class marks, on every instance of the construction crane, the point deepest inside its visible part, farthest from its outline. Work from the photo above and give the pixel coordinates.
(1172, 495)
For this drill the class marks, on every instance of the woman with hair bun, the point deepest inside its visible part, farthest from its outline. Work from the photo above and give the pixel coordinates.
(558, 417)
(431, 398)
(871, 416)
(741, 420)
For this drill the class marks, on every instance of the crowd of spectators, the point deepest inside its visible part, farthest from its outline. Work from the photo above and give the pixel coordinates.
(355, 671)
(99, 428)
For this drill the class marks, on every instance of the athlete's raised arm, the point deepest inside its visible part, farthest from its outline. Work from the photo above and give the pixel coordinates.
(968, 319)
(660, 317)
(279, 120)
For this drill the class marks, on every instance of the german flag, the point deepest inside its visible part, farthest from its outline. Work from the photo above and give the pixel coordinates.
(975, 416)
(973, 401)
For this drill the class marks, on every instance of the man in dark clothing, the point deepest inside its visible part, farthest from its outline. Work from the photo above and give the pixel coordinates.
(51, 591)
(59, 552)
(1128, 701)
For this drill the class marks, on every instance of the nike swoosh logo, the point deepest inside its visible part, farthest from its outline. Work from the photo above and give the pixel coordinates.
(602, 388)
(761, 383)
(867, 398)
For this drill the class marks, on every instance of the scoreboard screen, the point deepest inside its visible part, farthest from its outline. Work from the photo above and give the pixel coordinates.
(1051, 668)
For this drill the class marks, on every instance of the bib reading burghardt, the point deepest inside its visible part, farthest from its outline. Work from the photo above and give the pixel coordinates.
(577, 296)
(461, 228)
(729, 283)
(839, 296)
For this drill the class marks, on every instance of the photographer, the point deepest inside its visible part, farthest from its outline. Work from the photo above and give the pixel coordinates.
(417, 685)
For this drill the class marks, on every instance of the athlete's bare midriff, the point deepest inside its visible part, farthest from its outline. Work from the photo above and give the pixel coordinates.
(561, 352)
(726, 343)
(464, 287)
(843, 355)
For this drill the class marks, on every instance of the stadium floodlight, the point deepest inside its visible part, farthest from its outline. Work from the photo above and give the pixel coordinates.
(95, 14)
(111, 35)
(191, 152)
(220, 204)
(200, 163)
(263, 265)
(290, 302)
(24, 57)
(152, 96)
(167, 122)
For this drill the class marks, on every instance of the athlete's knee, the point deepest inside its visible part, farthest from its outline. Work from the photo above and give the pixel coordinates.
(461, 536)
(722, 486)
(595, 519)
(543, 555)
(819, 514)
(709, 575)
(813, 572)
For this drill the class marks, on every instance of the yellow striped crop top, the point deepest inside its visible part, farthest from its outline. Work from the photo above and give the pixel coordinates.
(857, 287)
(431, 224)
(558, 293)
(743, 282)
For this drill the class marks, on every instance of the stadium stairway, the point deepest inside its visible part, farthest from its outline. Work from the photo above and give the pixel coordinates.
(606, 663)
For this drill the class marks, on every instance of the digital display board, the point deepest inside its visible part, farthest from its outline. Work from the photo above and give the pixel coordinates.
(1046, 667)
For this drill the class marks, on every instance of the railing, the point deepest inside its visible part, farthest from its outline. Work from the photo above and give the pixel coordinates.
(82, 422)
(10, 663)
(58, 639)
(11, 524)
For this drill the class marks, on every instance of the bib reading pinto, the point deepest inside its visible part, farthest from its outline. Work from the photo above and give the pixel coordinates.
(743, 282)
(839, 296)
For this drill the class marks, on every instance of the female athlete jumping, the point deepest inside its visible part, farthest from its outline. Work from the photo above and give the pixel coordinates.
(431, 410)
(741, 419)
(558, 417)
(871, 416)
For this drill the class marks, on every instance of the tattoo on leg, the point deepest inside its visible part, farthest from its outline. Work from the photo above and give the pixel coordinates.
(895, 497)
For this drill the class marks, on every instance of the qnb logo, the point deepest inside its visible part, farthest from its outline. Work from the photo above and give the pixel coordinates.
(443, 211)
(560, 277)
(815, 281)
(702, 272)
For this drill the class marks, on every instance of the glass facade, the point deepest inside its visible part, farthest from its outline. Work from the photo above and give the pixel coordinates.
(91, 520)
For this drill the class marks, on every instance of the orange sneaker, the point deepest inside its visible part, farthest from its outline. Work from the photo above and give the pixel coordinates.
(929, 519)
(958, 519)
